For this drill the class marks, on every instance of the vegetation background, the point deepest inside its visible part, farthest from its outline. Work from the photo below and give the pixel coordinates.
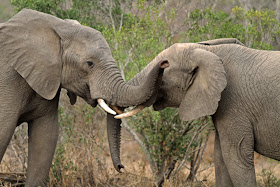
(157, 148)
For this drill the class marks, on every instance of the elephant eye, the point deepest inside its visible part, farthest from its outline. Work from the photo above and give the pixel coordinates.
(90, 64)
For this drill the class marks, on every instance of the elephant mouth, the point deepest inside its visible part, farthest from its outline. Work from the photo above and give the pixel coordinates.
(159, 104)
(92, 102)
(160, 101)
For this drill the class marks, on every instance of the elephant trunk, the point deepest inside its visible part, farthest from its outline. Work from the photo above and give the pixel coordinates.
(140, 92)
(114, 138)
(111, 87)
(137, 79)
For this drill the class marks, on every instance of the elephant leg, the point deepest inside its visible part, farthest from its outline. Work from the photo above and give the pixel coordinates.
(221, 173)
(237, 147)
(43, 135)
(8, 123)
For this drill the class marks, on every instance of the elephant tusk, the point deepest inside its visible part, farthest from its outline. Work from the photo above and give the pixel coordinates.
(130, 113)
(103, 105)
(115, 108)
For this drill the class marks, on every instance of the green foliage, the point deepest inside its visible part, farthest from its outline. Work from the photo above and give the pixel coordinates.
(210, 24)
(139, 40)
(47, 6)
(268, 179)
(5, 11)
(77, 140)
(261, 27)
(167, 137)
(60, 163)
(162, 131)
(93, 13)
(255, 28)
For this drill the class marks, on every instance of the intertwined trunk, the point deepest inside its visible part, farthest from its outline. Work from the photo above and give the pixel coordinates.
(130, 94)
(111, 87)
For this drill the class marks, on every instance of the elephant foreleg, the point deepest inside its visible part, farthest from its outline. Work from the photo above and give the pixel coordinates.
(43, 134)
(8, 124)
(237, 147)
(221, 173)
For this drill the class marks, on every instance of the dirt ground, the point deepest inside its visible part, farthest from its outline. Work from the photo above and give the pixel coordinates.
(137, 166)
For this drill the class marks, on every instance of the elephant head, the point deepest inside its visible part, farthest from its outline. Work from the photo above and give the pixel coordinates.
(193, 82)
(51, 53)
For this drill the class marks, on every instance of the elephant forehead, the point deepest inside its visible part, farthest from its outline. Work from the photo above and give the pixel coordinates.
(91, 37)
(94, 47)
(177, 49)
(174, 56)
(171, 54)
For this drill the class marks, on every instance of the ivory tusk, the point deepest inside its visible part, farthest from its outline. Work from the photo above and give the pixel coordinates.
(130, 113)
(115, 108)
(103, 105)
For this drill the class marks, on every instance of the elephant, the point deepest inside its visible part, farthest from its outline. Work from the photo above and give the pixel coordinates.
(238, 87)
(41, 54)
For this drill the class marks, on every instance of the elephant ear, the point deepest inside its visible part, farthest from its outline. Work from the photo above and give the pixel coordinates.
(32, 48)
(204, 93)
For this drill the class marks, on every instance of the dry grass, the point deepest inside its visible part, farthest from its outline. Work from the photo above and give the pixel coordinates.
(82, 156)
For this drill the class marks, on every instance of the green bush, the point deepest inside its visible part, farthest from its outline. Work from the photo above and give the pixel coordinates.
(47, 6)
(267, 179)
(255, 28)
(166, 137)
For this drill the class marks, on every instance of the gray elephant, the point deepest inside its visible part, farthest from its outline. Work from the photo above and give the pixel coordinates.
(239, 87)
(39, 55)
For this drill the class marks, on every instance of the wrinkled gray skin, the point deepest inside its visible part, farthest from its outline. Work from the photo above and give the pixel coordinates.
(240, 88)
(39, 55)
